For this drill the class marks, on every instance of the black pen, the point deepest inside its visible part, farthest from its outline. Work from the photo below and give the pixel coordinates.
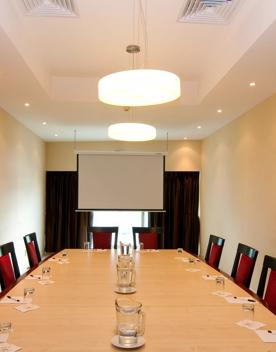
(37, 277)
(13, 299)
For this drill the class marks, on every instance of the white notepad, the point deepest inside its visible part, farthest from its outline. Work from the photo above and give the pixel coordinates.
(250, 324)
(267, 335)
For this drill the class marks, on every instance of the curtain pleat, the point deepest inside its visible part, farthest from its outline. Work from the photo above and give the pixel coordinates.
(65, 228)
(181, 220)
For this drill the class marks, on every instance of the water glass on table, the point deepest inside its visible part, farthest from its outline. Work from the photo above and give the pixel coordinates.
(87, 245)
(220, 283)
(249, 310)
(45, 271)
(5, 329)
(28, 294)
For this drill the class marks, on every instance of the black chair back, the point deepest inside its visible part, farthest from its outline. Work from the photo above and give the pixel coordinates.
(31, 237)
(219, 241)
(269, 263)
(251, 253)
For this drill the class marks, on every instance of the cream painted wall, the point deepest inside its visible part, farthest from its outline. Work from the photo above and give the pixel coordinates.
(238, 185)
(22, 189)
(182, 155)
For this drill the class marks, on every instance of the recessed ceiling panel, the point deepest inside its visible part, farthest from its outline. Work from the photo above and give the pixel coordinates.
(208, 11)
(56, 8)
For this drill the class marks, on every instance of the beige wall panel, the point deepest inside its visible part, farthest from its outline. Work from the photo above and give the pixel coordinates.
(238, 185)
(182, 155)
(22, 190)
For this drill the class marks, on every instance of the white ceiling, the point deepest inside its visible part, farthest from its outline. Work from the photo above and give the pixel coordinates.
(54, 64)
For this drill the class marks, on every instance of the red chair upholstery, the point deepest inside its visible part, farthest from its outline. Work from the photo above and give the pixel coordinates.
(214, 250)
(151, 237)
(244, 264)
(33, 255)
(268, 292)
(102, 240)
(245, 267)
(9, 270)
(102, 237)
(150, 241)
(32, 249)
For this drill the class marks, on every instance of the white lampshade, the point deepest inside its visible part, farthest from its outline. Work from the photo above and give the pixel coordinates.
(132, 132)
(139, 87)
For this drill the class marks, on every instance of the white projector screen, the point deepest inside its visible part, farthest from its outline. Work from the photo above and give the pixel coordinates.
(120, 181)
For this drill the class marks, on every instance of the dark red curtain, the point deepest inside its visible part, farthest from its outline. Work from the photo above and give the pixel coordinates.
(65, 228)
(181, 202)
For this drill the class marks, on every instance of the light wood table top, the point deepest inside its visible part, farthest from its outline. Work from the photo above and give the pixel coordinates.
(77, 312)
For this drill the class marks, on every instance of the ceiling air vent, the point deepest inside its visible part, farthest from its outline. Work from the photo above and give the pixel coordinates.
(208, 11)
(52, 8)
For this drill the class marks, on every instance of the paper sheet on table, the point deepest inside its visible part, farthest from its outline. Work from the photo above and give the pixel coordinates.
(63, 261)
(267, 335)
(209, 277)
(239, 300)
(222, 293)
(192, 270)
(26, 307)
(46, 282)
(13, 300)
(8, 347)
(250, 324)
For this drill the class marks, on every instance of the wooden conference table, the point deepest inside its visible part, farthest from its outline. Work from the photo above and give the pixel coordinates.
(77, 311)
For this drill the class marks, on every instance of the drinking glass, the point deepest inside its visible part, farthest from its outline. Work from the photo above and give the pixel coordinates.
(28, 293)
(249, 310)
(45, 270)
(125, 276)
(64, 254)
(87, 245)
(125, 248)
(5, 329)
(130, 321)
(220, 282)
(125, 260)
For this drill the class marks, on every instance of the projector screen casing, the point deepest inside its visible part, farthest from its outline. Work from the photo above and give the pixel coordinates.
(120, 181)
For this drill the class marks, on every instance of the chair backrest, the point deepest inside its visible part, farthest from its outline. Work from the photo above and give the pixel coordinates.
(9, 270)
(102, 236)
(214, 250)
(151, 237)
(244, 264)
(32, 249)
(267, 285)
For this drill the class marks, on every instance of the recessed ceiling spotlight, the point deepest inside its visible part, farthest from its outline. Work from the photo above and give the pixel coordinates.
(56, 135)
(199, 127)
(44, 123)
(219, 111)
(252, 84)
(27, 104)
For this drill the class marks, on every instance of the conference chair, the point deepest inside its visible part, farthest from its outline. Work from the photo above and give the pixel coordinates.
(32, 249)
(214, 250)
(151, 237)
(101, 237)
(267, 284)
(9, 270)
(244, 264)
